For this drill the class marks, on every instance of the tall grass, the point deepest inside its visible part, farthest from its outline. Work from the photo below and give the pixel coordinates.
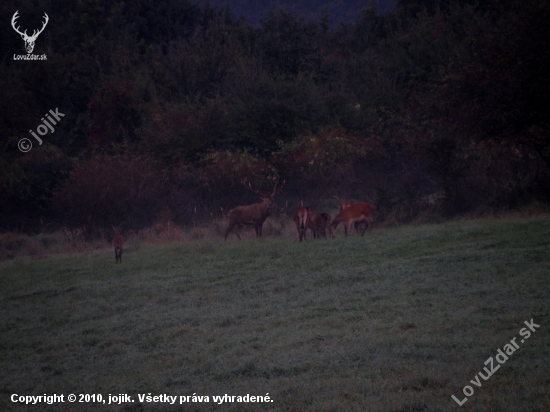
(398, 320)
(20, 246)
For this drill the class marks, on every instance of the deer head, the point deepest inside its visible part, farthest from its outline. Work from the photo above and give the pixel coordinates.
(266, 198)
(29, 40)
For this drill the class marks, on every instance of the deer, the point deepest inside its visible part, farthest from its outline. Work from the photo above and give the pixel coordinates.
(29, 40)
(359, 212)
(118, 243)
(255, 214)
(318, 223)
(301, 220)
(344, 204)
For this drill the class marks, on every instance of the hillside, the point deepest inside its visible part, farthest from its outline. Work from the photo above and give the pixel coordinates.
(398, 320)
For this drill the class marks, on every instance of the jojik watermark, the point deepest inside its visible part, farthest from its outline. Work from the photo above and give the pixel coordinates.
(501, 357)
(43, 129)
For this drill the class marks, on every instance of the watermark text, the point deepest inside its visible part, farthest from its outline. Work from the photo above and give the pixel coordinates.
(501, 357)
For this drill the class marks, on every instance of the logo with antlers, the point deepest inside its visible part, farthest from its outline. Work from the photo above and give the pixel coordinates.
(29, 40)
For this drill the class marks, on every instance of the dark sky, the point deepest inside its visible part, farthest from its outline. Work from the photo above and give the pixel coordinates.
(339, 10)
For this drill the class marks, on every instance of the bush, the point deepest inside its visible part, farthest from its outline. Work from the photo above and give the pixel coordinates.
(111, 191)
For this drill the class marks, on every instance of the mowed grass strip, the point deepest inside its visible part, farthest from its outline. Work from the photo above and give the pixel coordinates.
(397, 320)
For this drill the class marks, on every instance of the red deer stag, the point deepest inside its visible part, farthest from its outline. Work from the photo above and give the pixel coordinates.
(318, 223)
(359, 212)
(301, 220)
(255, 214)
(118, 243)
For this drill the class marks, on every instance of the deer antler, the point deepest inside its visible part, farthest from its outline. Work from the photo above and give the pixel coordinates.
(35, 35)
(277, 191)
(35, 32)
(249, 187)
(13, 19)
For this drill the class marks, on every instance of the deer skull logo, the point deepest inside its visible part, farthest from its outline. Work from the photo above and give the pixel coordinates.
(29, 40)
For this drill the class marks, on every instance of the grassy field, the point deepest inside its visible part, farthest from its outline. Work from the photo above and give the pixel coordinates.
(398, 320)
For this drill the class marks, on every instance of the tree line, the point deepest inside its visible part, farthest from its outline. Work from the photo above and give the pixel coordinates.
(434, 106)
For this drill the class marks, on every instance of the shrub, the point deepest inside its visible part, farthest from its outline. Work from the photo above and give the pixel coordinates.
(112, 191)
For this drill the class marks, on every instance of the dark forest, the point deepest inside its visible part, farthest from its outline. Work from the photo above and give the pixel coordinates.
(437, 108)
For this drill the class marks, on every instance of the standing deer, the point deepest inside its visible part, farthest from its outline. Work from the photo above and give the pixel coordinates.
(344, 204)
(255, 214)
(29, 40)
(359, 212)
(301, 220)
(118, 243)
(318, 223)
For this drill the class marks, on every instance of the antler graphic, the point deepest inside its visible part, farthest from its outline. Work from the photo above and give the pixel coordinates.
(29, 40)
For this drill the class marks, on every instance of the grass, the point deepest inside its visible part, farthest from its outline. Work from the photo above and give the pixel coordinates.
(398, 320)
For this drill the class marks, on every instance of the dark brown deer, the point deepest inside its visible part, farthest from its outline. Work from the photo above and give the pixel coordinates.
(301, 220)
(255, 214)
(318, 223)
(359, 212)
(118, 243)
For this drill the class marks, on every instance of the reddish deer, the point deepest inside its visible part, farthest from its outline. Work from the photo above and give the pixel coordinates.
(359, 212)
(118, 243)
(301, 220)
(318, 223)
(344, 204)
(255, 214)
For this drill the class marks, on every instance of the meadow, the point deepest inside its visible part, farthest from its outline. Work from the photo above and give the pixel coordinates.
(398, 320)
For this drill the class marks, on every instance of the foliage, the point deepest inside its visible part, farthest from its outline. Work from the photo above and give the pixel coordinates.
(412, 93)
(110, 191)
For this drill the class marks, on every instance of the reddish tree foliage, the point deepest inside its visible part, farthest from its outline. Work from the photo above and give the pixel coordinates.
(105, 192)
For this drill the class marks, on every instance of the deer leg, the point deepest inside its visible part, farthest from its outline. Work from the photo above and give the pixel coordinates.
(228, 230)
(238, 231)
(332, 230)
